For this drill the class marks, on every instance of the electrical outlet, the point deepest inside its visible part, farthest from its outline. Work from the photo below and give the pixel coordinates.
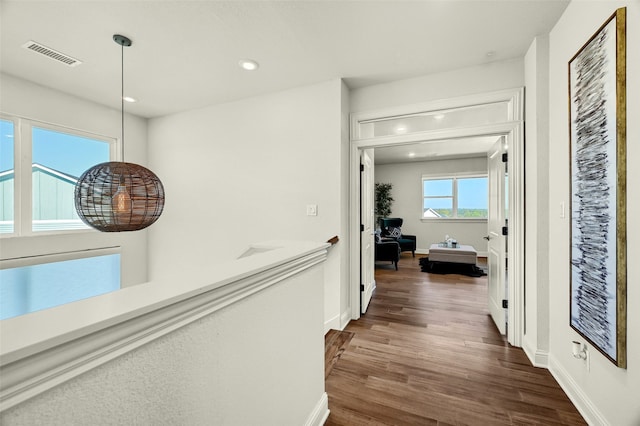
(581, 351)
(312, 210)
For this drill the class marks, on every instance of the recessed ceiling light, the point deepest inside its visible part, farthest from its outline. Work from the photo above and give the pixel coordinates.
(130, 99)
(491, 54)
(412, 154)
(438, 116)
(248, 64)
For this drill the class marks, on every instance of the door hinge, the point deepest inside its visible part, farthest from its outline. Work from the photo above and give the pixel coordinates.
(361, 287)
(505, 157)
(362, 167)
(505, 303)
(505, 230)
(361, 227)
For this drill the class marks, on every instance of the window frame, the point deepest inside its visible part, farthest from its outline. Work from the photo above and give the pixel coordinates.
(23, 160)
(455, 178)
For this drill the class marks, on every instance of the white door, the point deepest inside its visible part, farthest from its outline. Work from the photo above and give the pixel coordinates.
(367, 248)
(497, 241)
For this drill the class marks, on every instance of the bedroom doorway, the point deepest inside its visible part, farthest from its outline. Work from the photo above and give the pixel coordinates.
(440, 122)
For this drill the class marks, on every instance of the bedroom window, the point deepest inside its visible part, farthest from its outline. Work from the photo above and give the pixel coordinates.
(455, 197)
(37, 193)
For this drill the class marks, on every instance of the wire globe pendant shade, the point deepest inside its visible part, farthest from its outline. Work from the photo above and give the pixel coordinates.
(118, 196)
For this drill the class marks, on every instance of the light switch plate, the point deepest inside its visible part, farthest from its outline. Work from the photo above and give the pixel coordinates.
(312, 210)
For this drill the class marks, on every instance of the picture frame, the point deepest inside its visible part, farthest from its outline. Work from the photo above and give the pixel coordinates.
(597, 139)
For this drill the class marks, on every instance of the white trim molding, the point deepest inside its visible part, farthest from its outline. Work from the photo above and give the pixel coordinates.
(332, 323)
(320, 413)
(513, 98)
(512, 128)
(538, 358)
(345, 318)
(587, 409)
(85, 335)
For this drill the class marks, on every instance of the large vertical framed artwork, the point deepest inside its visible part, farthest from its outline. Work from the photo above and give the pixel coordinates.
(597, 117)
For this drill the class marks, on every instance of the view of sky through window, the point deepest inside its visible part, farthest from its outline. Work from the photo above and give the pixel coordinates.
(6, 145)
(6, 182)
(444, 197)
(473, 193)
(438, 187)
(67, 153)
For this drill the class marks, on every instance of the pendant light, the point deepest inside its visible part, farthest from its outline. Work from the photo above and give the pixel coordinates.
(117, 196)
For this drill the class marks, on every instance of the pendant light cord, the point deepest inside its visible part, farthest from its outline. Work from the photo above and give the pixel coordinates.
(122, 97)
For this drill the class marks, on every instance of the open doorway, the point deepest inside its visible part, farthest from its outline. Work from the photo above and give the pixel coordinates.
(506, 106)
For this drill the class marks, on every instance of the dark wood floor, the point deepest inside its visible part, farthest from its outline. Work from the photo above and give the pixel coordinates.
(427, 353)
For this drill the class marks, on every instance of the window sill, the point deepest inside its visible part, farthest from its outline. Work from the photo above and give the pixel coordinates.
(55, 232)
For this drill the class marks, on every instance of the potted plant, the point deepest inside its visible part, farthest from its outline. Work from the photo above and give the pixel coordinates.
(383, 200)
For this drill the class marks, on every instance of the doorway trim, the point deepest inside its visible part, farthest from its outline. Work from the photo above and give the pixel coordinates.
(512, 129)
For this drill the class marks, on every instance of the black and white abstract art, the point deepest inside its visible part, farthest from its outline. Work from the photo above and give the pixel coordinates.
(595, 191)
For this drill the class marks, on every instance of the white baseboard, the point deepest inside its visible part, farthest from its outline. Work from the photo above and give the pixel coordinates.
(320, 413)
(538, 358)
(332, 323)
(582, 402)
(345, 319)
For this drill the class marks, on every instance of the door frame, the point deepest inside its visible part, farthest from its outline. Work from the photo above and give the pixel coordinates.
(513, 131)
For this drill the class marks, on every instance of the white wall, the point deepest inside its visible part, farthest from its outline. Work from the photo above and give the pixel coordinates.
(607, 394)
(28, 100)
(344, 248)
(536, 337)
(245, 171)
(463, 82)
(407, 195)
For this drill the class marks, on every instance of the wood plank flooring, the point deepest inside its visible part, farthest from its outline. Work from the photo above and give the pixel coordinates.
(335, 343)
(427, 353)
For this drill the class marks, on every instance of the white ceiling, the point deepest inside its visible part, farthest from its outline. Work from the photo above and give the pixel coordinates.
(185, 53)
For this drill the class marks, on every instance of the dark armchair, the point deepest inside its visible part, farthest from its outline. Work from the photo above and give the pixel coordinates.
(388, 251)
(407, 242)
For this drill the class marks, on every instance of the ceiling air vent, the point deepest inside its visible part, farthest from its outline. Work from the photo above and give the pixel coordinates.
(50, 53)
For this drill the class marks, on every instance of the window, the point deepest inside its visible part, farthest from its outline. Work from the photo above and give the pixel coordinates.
(39, 167)
(35, 283)
(438, 198)
(58, 161)
(6, 176)
(455, 197)
(52, 160)
(475, 115)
